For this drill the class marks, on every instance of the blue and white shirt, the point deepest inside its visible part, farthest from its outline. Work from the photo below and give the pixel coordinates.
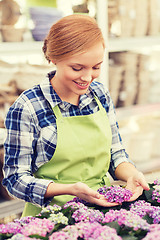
(32, 136)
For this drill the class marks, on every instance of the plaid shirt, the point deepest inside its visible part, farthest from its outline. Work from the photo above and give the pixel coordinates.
(32, 136)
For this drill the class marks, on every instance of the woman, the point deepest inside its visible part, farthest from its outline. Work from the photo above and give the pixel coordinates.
(62, 134)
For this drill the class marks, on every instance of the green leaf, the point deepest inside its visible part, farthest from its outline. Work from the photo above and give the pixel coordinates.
(38, 237)
(106, 209)
(56, 228)
(148, 219)
(5, 236)
(114, 225)
(67, 212)
(148, 194)
(126, 237)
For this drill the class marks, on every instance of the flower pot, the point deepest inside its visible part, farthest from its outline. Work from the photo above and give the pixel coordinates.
(12, 34)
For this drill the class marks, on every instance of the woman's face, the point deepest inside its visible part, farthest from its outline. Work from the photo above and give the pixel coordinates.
(75, 74)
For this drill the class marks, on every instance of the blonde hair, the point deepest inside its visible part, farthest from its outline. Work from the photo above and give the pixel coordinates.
(71, 35)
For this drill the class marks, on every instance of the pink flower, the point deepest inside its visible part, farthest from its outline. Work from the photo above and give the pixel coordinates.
(10, 228)
(115, 193)
(126, 218)
(38, 226)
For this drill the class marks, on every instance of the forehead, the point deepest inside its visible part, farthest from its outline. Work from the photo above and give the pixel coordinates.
(91, 56)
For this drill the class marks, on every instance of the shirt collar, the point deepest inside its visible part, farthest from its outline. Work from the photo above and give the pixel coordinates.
(48, 91)
(54, 99)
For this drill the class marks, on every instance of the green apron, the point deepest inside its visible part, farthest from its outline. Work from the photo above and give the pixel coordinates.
(82, 154)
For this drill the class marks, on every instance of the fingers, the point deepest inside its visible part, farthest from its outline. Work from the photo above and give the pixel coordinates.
(144, 184)
(94, 194)
(102, 201)
(136, 195)
(99, 199)
(107, 204)
(94, 197)
(137, 180)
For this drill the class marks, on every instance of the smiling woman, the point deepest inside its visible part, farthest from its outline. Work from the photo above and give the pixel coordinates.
(75, 74)
(62, 135)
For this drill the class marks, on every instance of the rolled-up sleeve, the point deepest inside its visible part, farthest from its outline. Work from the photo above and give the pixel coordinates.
(118, 152)
(20, 155)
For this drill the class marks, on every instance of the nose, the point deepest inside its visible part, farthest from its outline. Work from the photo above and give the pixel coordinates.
(86, 77)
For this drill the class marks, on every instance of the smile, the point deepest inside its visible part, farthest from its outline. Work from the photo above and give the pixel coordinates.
(82, 85)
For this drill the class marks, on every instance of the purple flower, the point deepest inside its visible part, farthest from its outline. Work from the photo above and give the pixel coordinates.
(115, 193)
(155, 235)
(155, 214)
(126, 218)
(141, 208)
(24, 220)
(91, 231)
(74, 205)
(70, 232)
(79, 200)
(20, 236)
(38, 226)
(10, 227)
(154, 232)
(86, 230)
(156, 194)
(156, 182)
(61, 235)
(87, 214)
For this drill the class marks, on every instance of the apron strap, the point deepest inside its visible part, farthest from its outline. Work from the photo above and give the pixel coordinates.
(98, 102)
(57, 112)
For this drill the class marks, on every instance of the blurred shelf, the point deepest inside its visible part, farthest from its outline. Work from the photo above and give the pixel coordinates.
(11, 207)
(21, 48)
(134, 43)
(138, 111)
(114, 45)
(149, 166)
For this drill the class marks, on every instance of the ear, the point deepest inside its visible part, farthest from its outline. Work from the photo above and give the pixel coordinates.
(53, 61)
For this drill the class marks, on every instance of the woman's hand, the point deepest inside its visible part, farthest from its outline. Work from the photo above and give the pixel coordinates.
(137, 184)
(82, 191)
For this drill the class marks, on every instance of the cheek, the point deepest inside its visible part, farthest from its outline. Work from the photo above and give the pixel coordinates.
(71, 75)
(96, 74)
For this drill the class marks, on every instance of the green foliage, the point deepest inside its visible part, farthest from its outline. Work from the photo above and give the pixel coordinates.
(148, 195)
(126, 237)
(5, 236)
(68, 213)
(114, 225)
(38, 237)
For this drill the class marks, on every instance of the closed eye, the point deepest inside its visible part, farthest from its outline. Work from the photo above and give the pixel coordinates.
(76, 69)
(96, 68)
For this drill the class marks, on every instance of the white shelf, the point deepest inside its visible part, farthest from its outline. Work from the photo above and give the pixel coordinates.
(20, 48)
(114, 45)
(138, 111)
(11, 207)
(134, 43)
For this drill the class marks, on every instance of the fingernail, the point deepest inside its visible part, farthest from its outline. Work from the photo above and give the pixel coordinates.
(97, 195)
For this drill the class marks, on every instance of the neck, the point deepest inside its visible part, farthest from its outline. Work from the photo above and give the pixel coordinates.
(70, 98)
